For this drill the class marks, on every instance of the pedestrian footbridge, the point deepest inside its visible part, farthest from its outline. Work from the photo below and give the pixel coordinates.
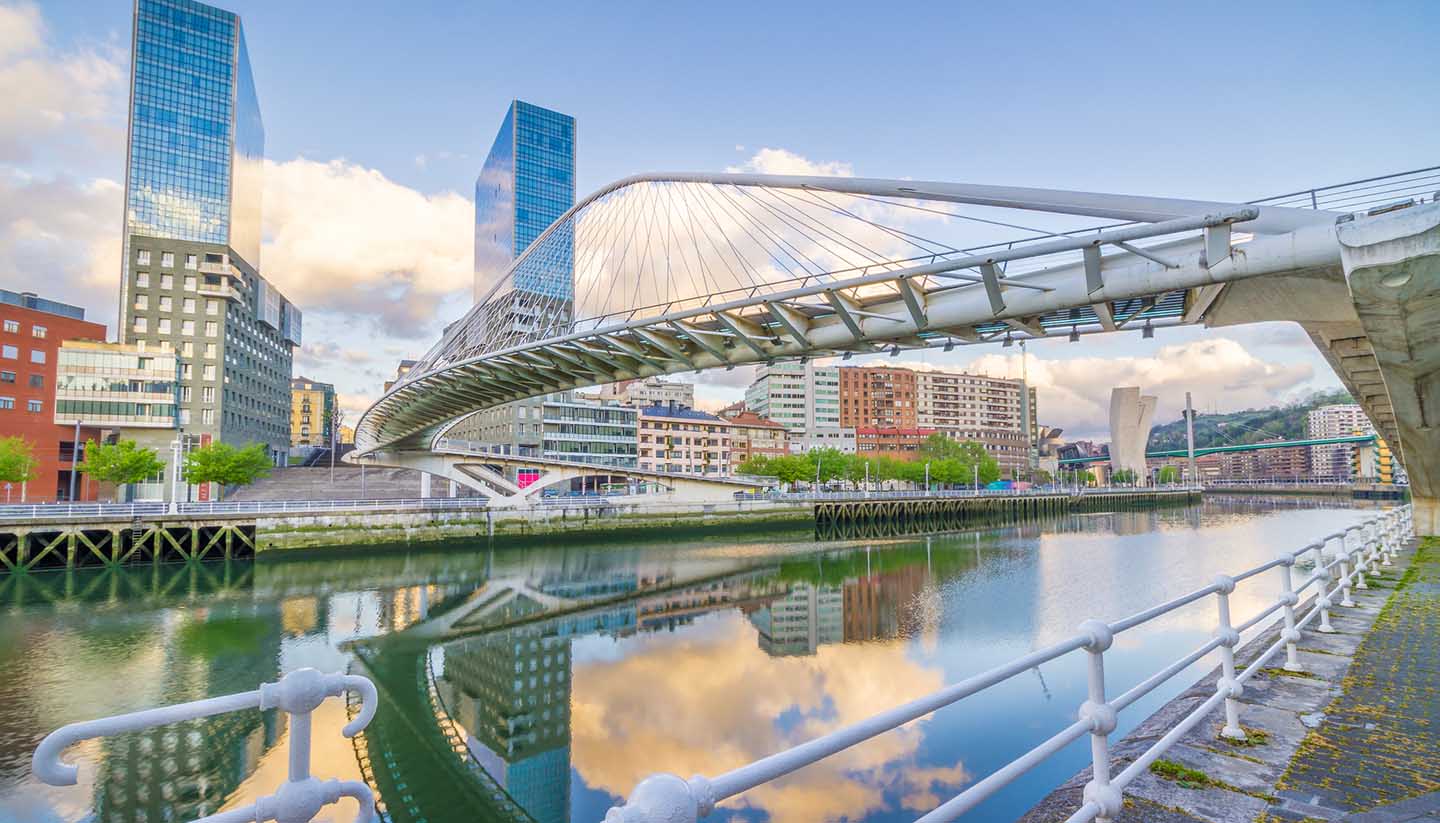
(668, 273)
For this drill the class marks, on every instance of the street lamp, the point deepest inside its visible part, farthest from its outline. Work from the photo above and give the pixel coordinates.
(175, 447)
(927, 476)
(335, 419)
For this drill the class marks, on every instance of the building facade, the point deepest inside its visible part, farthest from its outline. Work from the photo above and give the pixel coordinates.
(753, 436)
(651, 391)
(902, 443)
(589, 432)
(191, 281)
(832, 437)
(32, 331)
(954, 400)
(1335, 460)
(877, 397)
(681, 440)
(802, 397)
(312, 412)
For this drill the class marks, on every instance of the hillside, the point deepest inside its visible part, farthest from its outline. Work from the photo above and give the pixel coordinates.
(1249, 426)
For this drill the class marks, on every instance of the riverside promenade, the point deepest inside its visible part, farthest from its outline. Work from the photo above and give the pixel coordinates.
(1354, 737)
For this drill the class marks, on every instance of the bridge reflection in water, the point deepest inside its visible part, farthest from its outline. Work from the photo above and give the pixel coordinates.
(539, 684)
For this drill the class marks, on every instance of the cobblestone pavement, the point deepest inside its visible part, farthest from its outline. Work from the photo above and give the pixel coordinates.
(1357, 730)
(1380, 742)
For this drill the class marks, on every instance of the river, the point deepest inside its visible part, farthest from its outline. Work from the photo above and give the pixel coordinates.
(541, 683)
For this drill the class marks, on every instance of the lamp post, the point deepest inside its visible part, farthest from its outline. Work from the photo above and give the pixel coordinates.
(175, 447)
(335, 419)
(74, 457)
(927, 476)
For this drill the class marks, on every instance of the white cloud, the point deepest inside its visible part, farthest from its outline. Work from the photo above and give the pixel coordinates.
(66, 102)
(784, 161)
(343, 238)
(1221, 373)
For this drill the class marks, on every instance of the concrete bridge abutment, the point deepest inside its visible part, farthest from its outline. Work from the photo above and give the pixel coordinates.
(1392, 265)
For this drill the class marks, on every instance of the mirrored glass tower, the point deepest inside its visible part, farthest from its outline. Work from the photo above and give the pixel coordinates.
(191, 281)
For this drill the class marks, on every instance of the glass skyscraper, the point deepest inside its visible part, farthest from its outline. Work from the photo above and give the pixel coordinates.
(527, 183)
(191, 281)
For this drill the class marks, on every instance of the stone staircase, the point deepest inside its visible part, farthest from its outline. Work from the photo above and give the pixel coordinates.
(306, 483)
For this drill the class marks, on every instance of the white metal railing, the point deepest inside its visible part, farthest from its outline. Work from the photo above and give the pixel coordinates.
(1345, 558)
(298, 693)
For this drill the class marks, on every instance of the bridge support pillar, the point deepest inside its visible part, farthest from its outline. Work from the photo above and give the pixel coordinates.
(1392, 264)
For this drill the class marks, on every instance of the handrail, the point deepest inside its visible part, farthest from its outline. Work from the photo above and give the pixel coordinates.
(1358, 550)
(298, 693)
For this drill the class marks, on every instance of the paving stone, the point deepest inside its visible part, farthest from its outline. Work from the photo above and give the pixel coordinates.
(1210, 803)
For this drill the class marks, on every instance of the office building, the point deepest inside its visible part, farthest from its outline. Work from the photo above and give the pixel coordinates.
(651, 391)
(312, 412)
(955, 400)
(525, 184)
(401, 370)
(681, 440)
(191, 277)
(1373, 462)
(596, 433)
(831, 437)
(877, 397)
(1278, 463)
(802, 397)
(1336, 420)
(810, 616)
(753, 436)
(115, 391)
(32, 330)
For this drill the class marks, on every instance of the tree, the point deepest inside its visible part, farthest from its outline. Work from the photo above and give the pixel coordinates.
(1168, 475)
(759, 465)
(791, 468)
(17, 460)
(224, 464)
(831, 462)
(1042, 477)
(1122, 477)
(120, 463)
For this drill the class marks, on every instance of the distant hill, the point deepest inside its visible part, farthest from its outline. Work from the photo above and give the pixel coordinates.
(1243, 427)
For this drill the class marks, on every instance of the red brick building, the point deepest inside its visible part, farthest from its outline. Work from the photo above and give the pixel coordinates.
(902, 443)
(877, 397)
(31, 331)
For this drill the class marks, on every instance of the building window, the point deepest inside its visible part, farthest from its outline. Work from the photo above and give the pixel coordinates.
(141, 324)
(186, 372)
(142, 257)
(163, 326)
(210, 351)
(10, 352)
(38, 331)
(188, 305)
(189, 282)
(37, 356)
(184, 417)
(37, 381)
(190, 262)
(212, 307)
(7, 402)
(142, 280)
(187, 327)
(167, 259)
(211, 328)
(187, 349)
(184, 394)
(207, 417)
(7, 377)
(167, 281)
(207, 394)
(209, 372)
(166, 304)
(34, 405)
(142, 301)
(12, 326)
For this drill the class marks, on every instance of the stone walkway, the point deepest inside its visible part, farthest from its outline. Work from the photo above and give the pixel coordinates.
(1360, 727)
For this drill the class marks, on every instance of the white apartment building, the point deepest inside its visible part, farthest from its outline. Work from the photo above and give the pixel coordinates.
(839, 439)
(681, 440)
(651, 391)
(1338, 420)
(952, 400)
(802, 397)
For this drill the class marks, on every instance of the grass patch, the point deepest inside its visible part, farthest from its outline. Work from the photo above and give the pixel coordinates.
(1184, 776)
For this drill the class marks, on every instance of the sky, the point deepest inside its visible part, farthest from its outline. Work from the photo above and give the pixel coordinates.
(378, 117)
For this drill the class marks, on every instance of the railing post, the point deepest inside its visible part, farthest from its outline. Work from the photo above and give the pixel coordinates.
(1322, 597)
(1290, 634)
(1228, 685)
(1344, 581)
(1102, 719)
(1357, 555)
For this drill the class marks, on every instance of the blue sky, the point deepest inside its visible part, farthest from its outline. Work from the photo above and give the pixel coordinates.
(1153, 98)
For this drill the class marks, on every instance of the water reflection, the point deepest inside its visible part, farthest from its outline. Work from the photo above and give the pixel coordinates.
(541, 684)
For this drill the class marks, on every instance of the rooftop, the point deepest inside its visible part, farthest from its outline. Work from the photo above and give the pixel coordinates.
(676, 412)
(28, 300)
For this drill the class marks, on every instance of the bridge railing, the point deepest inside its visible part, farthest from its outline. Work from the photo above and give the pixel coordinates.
(298, 693)
(130, 511)
(1340, 563)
